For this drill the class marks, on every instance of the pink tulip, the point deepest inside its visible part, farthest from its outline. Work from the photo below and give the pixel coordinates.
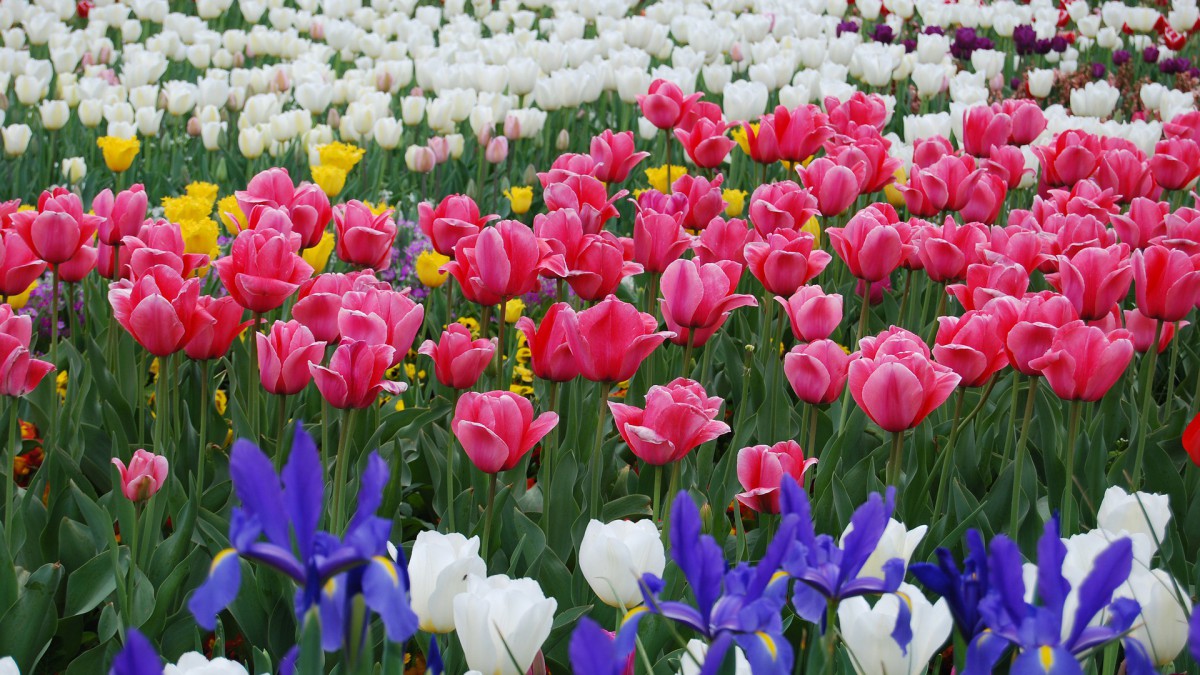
(1028, 119)
(355, 376)
(722, 240)
(458, 361)
(817, 371)
(870, 151)
(496, 150)
(79, 266)
(1176, 163)
(1127, 174)
(947, 251)
(927, 151)
(1083, 362)
(985, 283)
(987, 191)
(697, 298)
(306, 206)
(159, 242)
(894, 341)
(1142, 330)
(159, 309)
(860, 110)
(972, 345)
(665, 105)
(1085, 198)
(1072, 233)
(984, 129)
(1007, 163)
(937, 187)
(1094, 279)
(1013, 244)
(562, 230)
(20, 373)
(497, 428)
(19, 266)
(1038, 320)
(285, 355)
(701, 111)
(363, 238)
(784, 205)
(220, 322)
(599, 265)
(58, 228)
(898, 392)
(1071, 157)
(1182, 231)
(381, 317)
(871, 244)
(549, 354)
(123, 214)
(614, 156)
(785, 260)
(761, 468)
(704, 200)
(1183, 125)
(587, 196)
(453, 218)
(611, 339)
(319, 300)
(271, 187)
(813, 314)
(144, 476)
(566, 165)
(835, 186)
(658, 240)
(800, 132)
(679, 417)
(1145, 222)
(262, 270)
(503, 261)
(1166, 283)
(763, 144)
(706, 143)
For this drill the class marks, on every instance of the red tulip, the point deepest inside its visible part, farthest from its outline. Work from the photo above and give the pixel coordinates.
(1166, 283)
(704, 200)
(123, 214)
(985, 283)
(159, 242)
(1038, 320)
(458, 361)
(453, 218)
(220, 321)
(835, 186)
(679, 417)
(363, 238)
(800, 132)
(285, 356)
(722, 240)
(785, 260)
(587, 196)
(611, 339)
(665, 105)
(1083, 362)
(20, 373)
(1191, 440)
(813, 314)
(1071, 157)
(972, 345)
(144, 476)
(159, 309)
(763, 144)
(614, 156)
(599, 265)
(1142, 329)
(987, 192)
(1176, 163)
(1094, 279)
(262, 269)
(697, 298)
(58, 228)
(381, 317)
(984, 129)
(549, 354)
(761, 468)
(497, 428)
(706, 143)
(817, 371)
(784, 205)
(898, 392)
(658, 240)
(871, 244)
(19, 266)
(355, 376)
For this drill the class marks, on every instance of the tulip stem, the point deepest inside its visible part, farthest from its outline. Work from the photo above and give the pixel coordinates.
(908, 282)
(1147, 396)
(866, 311)
(1066, 524)
(549, 448)
(500, 312)
(830, 636)
(339, 472)
(941, 308)
(686, 370)
(947, 453)
(450, 449)
(894, 459)
(597, 465)
(1171, 371)
(54, 357)
(252, 374)
(111, 338)
(14, 445)
(1011, 432)
(281, 426)
(487, 517)
(814, 416)
(670, 134)
(204, 403)
(658, 472)
(1015, 507)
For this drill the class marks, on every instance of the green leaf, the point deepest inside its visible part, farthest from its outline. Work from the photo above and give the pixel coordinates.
(625, 507)
(89, 585)
(27, 627)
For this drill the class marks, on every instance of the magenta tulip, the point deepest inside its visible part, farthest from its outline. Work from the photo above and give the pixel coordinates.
(679, 417)
(497, 428)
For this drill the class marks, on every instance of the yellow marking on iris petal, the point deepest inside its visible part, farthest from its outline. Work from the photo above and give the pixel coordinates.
(1046, 656)
(769, 642)
(907, 600)
(777, 577)
(219, 558)
(389, 567)
(632, 613)
(330, 587)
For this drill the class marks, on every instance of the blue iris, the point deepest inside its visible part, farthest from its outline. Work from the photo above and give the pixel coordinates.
(962, 589)
(277, 525)
(137, 657)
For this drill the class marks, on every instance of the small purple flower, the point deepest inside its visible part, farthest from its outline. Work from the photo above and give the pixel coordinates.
(1058, 43)
(1150, 54)
(910, 46)
(1098, 70)
(934, 30)
(847, 27)
(884, 34)
(1120, 57)
(1043, 47)
(1025, 39)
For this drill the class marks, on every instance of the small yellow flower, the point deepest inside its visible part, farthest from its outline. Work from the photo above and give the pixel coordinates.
(522, 374)
(200, 236)
(231, 215)
(19, 301)
(513, 310)
(637, 193)
(813, 227)
(330, 178)
(118, 152)
(377, 209)
(521, 390)
(60, 384)
(735, 202)
(660, 179)
(520, 198)
(154, 369)
(893, 195)
(523, 353)
(738, 134)
(428, 263)
(31, 207)
(472, 325)
(341, 155)
(220, 401)
(399, 404)
(318, 256)
(204, 191)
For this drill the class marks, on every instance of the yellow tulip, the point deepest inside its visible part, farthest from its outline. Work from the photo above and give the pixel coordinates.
(318, 256)
(894, 197)
(118, 152)
(519, 198)
(330, 178)
(341, 155)
(735, 202)
(427, 265)
(660, 179)
(513, 310)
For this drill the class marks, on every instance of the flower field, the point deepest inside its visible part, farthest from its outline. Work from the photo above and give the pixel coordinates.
(712, 336)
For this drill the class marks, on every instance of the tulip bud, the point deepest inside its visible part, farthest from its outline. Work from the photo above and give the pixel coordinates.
(193, 126)
(614, 556)
(563, 142)
(74, 169)
(497, 150)
(143, 477)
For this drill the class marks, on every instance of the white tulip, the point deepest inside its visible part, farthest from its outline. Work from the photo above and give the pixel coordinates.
(745, 101)
(30, 89)
(717, 76)
(930, 79)
(251, 142)
(148, 121)
(897, 542)
(91, 112)
(501, 620)
(210, 135)
(867, 632)
(457, 144)
(387, 132)
(194, 663)
(932, 48)
(691, 662)
(1162, 626)
(1040, 82)
(1094, 99)
(314, 97)
(181, 97)
(16, 139)
(988, 61)
(122, 129)
(73, 169)
(55, 114)
(9, 667)
(1138, 513)
(646, 129)
(438, 569)
(614, 556)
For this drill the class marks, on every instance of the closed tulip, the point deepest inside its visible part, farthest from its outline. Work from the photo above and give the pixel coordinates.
(318, 302)
(438, 568)
(868, 631)
(835, 186)
(704, 200)
(698, 297)
(123, 214)
(785, 260)
(871, 244)
(894, 341)
(896, 542)
(502, 623)
(784, 205)
(984, 129)
(665, 104)
(1143, 329)
(812, 313)
(502, 261)
(458, 361)
(1162, 625)
(611, 339)
(497, 428)
(363, 238)
(800, 131)
(1176, 163)
(817, 371)
(706, 143)
(1094, 279)
(262, 269)
(614, 157)
(159, 309)
(1083, 362)
(898, 392)
(761, 144)
(144, 476)
(947, 251)
(1140, 513)
(658, 240)
(381, 317)
(678, 417)
(972, 345)
(1144, 223)
(1071, 157)
(587, 196)
(355, 376)
(20, 373)
(219, 324)
(19, 266)
(455, 217)
(59, 227)
(159, 242)
(1038, 320)
(599, 264)
(760, 468)
(614, 556)
(285, 356)
(984, 283)
(987, 191)
(1166, 283)
(549, 354)
(722, 240)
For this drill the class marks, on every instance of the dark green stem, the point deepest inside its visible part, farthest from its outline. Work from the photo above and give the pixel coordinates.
(1147, 396)
(1019, 458)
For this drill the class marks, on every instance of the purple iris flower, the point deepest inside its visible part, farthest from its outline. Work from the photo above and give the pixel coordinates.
(137, 657)
(329, 572)
(595, 651)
